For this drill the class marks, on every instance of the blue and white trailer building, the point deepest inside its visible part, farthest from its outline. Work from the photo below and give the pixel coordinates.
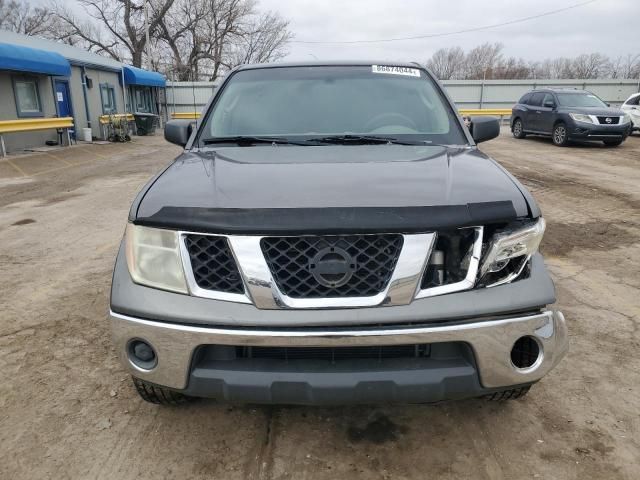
(40, 79)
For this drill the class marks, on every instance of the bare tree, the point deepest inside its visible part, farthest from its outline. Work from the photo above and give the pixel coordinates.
(263, 40)
(179, 33)
(447, 63)
(627, 66)
(208, 37)
(592, 65)
(511, 68)
(482, 60)
(118, 27)
(20, 17)
(487, 61)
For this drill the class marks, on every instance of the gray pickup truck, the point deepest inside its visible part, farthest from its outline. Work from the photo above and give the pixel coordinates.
(331, 234)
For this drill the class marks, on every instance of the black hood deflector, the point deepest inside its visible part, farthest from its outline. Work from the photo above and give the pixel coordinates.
(329, 220)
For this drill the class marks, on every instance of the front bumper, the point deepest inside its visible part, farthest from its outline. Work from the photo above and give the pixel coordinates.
(439, 377)
(586, 131)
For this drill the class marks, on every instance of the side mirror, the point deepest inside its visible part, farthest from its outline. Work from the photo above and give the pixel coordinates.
(484, 128)
(178, 131)
(549, 104)
(607, 104)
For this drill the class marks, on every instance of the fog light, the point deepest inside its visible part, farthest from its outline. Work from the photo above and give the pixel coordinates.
(142, 354)
(525, 352)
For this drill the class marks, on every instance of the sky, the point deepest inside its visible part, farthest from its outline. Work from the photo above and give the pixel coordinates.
(611, 27)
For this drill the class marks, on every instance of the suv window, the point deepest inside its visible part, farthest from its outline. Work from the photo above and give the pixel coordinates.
(301, 103)
(580, 99)
(536, 99)
(525, 99)
(633, 101)
(548, 97)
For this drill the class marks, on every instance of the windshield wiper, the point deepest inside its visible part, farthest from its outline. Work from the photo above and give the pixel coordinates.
(249, 140)
(364, 140)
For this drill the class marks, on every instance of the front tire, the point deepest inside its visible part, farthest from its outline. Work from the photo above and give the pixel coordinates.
(518, 129)
(158, 395)
(560, 135)
(612, 143)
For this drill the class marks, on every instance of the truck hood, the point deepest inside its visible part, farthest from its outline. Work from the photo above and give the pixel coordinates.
(313, 177)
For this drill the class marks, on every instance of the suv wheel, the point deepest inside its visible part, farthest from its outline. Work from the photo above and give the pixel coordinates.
(559, 135)
(612, 143)
(159, 395)
(518, 129)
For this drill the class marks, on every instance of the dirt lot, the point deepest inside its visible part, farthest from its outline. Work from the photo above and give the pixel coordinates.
(68, 410)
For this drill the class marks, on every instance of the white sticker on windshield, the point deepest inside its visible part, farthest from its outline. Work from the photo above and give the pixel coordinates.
(409, 72)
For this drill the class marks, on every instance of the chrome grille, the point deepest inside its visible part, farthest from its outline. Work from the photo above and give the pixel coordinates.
(602, 120)
(354, 265)
(213, 265)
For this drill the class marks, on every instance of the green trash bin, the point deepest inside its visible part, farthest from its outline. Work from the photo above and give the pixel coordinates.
(145, 123)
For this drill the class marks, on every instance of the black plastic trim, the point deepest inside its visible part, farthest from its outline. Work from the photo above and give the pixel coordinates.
(329, 220)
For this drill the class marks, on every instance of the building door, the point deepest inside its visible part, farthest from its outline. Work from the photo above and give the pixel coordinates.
(63, 98)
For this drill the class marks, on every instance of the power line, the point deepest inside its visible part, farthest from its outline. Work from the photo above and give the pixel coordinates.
(444, 34)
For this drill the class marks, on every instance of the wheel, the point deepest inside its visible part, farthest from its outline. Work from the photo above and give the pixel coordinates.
(159, 395)
(517, 129)
(559, 136)
(510, 394)
(612, 143)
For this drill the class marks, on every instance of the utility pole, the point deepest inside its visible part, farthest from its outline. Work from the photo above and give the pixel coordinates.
(146, 33)
(484, 79)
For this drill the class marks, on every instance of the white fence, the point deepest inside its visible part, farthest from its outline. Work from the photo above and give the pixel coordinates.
(504, 93)
(193, 96)
(188, 96)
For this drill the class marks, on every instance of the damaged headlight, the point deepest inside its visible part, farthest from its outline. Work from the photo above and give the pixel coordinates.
(153, 258)
(508, 254)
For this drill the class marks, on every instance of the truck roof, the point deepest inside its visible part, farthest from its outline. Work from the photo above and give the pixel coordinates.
(330, 63)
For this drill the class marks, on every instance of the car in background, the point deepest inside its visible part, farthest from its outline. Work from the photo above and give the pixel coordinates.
(569, 114)
(632, 108)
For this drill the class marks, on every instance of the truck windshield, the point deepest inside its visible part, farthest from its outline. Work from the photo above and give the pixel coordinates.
(327, 103)
(580, 100)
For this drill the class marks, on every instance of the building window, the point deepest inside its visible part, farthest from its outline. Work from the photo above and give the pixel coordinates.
(108, 97)
(27, 97)
(142, 98)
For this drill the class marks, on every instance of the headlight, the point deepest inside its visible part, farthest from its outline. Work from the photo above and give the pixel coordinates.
(581, 117)
(153, 258)
(508, 254)
(625, 118)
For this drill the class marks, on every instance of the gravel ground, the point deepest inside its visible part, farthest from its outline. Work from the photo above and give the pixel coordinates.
(68, 409)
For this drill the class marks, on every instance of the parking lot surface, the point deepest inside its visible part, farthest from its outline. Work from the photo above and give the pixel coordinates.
(68, 409)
